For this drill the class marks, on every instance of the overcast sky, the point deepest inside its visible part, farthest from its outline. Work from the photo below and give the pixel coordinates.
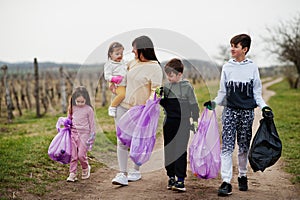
(69, 30)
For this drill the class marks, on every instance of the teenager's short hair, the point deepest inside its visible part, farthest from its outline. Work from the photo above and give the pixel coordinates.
(174, 65)
(243, 39)
(145, 46)
(113, 46)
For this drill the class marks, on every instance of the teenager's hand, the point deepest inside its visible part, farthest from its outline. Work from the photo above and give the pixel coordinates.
(267, 112)
(210, 105)
(117, 79)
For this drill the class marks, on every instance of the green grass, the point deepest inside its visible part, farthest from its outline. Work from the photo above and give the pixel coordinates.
(23, 155)
(24, 162)
(286, 108)
(25, 165)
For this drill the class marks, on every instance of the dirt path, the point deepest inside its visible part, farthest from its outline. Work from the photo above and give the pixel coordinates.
(271, 184)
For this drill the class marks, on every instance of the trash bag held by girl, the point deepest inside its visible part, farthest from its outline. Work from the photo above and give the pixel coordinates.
(205, 160)
(61, 146)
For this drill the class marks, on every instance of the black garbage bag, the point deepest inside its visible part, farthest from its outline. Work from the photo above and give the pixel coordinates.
(266, 146)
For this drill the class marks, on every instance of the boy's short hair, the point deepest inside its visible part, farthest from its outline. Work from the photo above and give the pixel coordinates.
(174, 65)
(243, 39)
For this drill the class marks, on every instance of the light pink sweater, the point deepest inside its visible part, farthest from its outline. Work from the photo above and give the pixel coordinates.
(83, 119)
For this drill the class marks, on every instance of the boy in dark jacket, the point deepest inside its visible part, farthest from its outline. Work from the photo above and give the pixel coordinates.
(180, 104)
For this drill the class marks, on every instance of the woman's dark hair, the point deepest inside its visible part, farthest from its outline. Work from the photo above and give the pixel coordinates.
(145, 46)
(79, 91)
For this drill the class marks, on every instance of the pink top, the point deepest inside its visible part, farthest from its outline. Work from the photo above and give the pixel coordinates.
(83, 119)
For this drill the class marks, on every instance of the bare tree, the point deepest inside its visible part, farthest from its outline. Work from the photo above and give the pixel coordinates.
(63, 90)
(224, 53)
(28, 90)
(15, 93)
(284, 41)
(8, 99)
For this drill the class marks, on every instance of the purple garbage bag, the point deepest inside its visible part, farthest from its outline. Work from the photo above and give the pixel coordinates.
(137, 130)
(127, 124)
(60, 148)
(204, 151)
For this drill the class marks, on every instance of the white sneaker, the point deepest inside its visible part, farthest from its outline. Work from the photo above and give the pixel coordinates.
(86, 173)
(72, 177)
(120, 179)
(112, 111)
(134, 175)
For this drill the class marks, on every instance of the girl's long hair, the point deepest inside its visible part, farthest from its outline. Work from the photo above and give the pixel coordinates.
(145, 46)
(79, 91)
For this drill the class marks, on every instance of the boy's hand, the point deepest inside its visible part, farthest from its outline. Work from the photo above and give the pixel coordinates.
(267, 112)
(117, 79)
(159, 92)
(210, 105)
(194, 127)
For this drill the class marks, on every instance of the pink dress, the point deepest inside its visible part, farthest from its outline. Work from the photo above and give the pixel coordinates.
(83, 124)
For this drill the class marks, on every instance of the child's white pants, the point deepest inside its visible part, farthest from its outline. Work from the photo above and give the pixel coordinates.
(226, 166)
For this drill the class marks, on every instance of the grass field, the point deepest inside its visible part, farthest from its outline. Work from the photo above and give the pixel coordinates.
(286, 107)
(25, 165)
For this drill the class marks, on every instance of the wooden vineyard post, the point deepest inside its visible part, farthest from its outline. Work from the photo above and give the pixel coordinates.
(63, 91)
(16, 99)
(23, 96)
(8, 99)
(36, 88)
(103, 91)
(28, 90)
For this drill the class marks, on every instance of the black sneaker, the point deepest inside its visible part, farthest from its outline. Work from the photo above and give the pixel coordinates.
(225, 189)
(179, 186)
(171, 183)
(243, 183)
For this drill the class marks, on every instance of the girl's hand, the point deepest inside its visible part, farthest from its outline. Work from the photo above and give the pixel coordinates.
(90, 142)
(112, 88)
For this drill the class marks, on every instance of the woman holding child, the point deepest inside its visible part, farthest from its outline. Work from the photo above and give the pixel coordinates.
(143, 77)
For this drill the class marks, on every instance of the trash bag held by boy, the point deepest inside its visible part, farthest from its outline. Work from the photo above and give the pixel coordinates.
(205, 151)
(266, 145)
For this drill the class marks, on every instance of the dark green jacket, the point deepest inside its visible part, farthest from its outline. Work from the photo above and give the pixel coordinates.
(180, 101)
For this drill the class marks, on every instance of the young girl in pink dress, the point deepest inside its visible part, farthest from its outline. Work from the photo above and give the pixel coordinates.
(82, 132)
